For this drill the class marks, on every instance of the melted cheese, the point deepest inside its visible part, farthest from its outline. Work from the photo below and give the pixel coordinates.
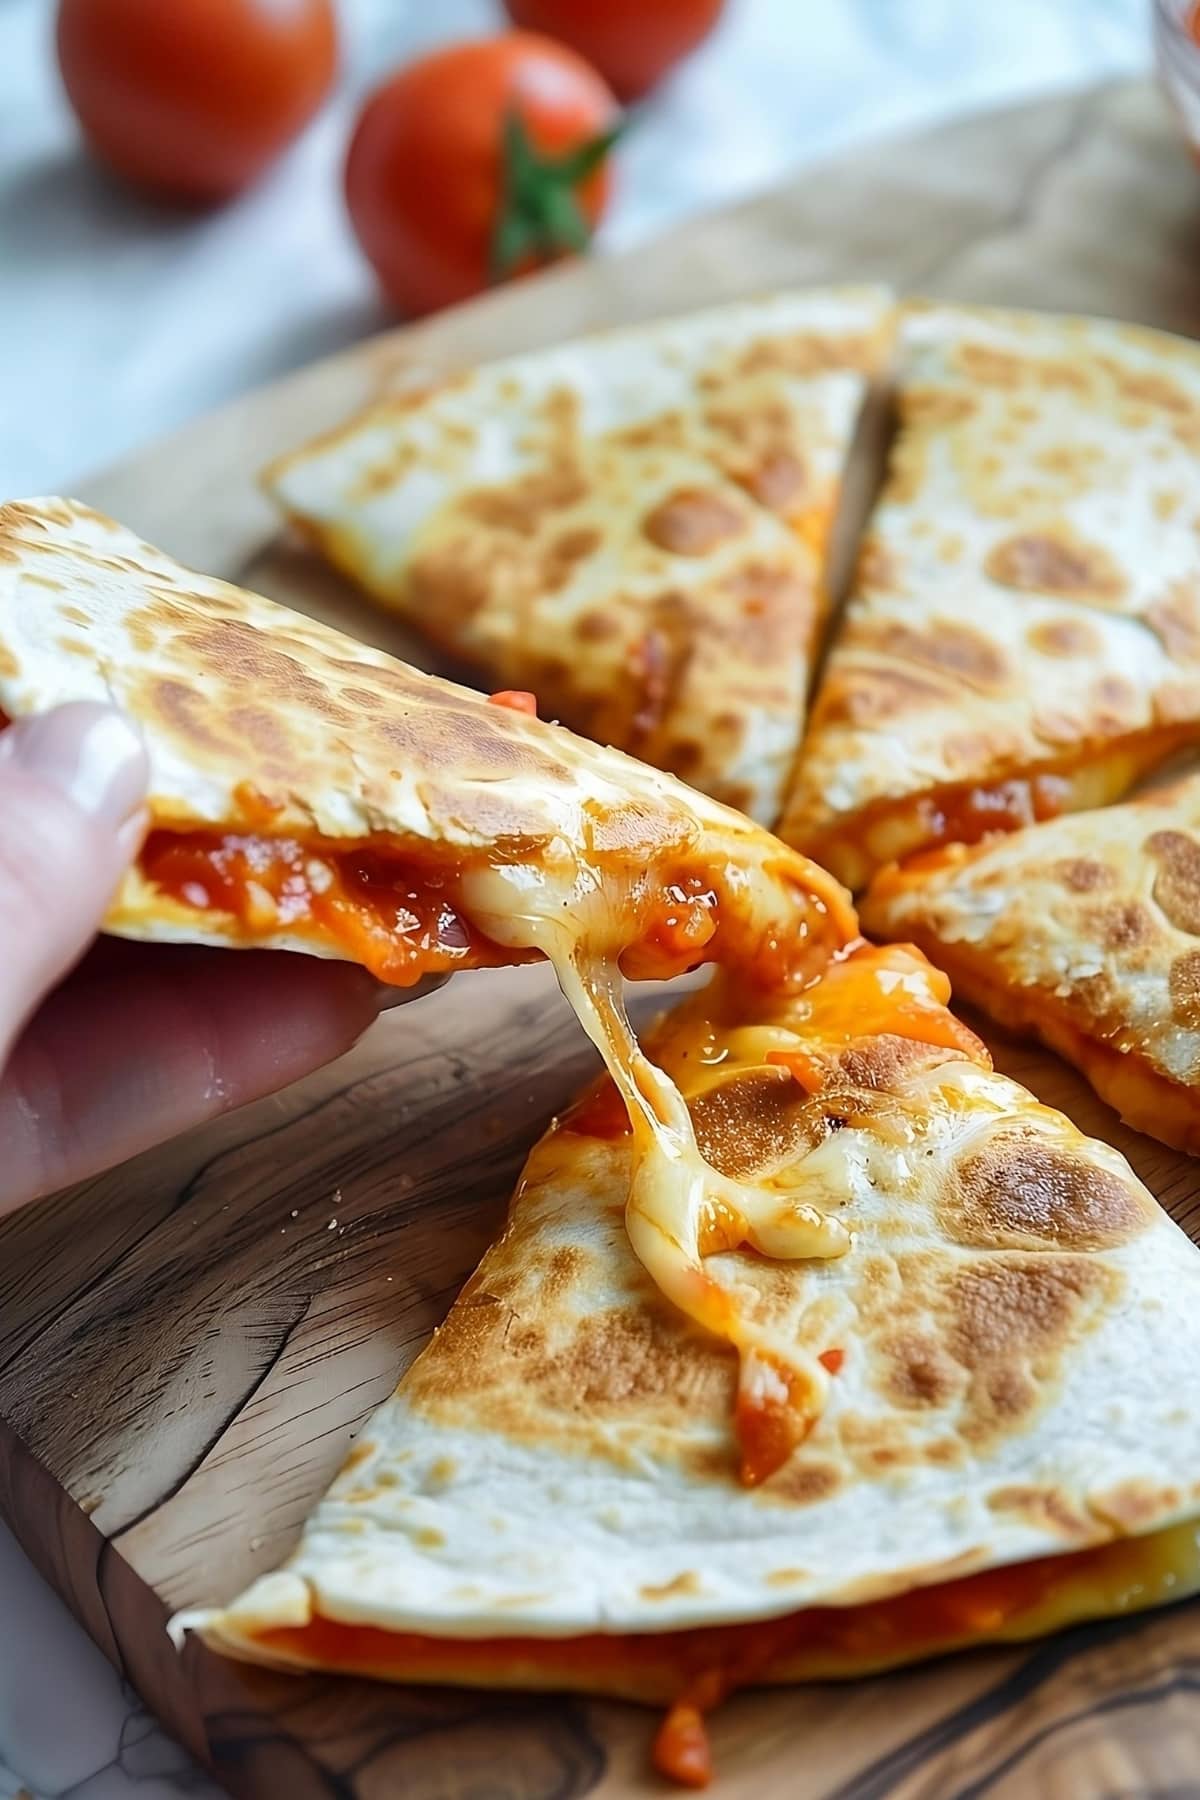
(693, 1670)
(680, 1210)
(675, 1195)
(400, 918)
(403, 914)
(1122, 1073)
(895, 827)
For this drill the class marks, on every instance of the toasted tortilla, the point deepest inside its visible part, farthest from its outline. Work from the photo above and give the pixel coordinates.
(632, 526)
(309, 793)
(1084, 931)
(262, 723)
(552, 1497)
(1023, 638)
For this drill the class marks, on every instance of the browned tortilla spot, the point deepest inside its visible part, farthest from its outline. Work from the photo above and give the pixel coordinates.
(943, 645)
(1024, 1194)
(1065, 637)
(1176, 620)
(778, 481)
(1083, 874)
(1122, 926)
(1177, 886)
(1183, 985)
(917, 1371)
(692, 522)
(1055, 562)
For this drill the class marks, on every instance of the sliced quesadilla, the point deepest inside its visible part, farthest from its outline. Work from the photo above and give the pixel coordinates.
(1084, 931)
(1023, 638)
(310, 793)
(632, 526)
(554, 1498)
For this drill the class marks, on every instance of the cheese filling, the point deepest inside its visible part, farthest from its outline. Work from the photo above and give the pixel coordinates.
(399, 920)
(403, 915)
(1122, 1066)
(681, 1210)
(895, 827)
(693, 1669)
(675, 1195)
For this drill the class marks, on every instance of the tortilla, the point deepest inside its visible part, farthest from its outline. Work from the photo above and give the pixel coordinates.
(552, 1497)
(262, 723)
(310, 793)
(1023, 638)
(633, 526)
(1085, 932)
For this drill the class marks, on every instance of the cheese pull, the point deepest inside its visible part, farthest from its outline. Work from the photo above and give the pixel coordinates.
(680, 1209)
(681, 1212)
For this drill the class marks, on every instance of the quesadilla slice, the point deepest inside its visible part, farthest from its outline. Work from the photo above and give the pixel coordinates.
(310, 793)
(632, 526)
(1084, 931)
(553, 1497)
(1023, 637)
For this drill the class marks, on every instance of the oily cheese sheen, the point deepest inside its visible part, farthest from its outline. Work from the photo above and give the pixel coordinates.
(1003, 1267)
(632, 525)
(259, 719)
(1023, 636)
(263, 726)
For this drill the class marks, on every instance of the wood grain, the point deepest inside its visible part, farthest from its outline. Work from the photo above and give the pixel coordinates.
(189, 1343)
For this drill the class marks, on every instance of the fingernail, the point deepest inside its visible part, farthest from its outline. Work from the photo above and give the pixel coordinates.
(89, 752)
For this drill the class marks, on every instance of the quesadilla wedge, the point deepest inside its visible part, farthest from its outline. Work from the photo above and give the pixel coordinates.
(1023, 638)
(551, 1498)
(1084, 931)
(310, 793)
(632, 526)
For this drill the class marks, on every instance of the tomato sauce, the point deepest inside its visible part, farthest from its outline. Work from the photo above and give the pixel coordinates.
(516, 700)
(947, 815)
(600, 1113)
(398, 913)
(770, 1419)
(682, 1751)
(964, 815)
(702, 1666)
(398, 920)
(677, 928)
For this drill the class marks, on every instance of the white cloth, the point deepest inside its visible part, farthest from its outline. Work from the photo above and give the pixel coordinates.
(119, 320)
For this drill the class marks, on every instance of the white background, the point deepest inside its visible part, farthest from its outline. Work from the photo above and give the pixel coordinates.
(119, 320)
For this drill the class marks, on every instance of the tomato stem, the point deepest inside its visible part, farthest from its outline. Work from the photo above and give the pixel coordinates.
(540, 215)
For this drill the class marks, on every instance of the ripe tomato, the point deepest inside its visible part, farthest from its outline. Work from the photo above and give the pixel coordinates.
(193, 98)
(480, 161)
(632, 42)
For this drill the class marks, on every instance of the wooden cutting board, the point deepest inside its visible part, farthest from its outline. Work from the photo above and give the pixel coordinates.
(188, 1344)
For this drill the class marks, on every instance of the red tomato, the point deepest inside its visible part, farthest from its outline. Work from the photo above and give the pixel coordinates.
(632, 42)
(193, 98)
(480, 161)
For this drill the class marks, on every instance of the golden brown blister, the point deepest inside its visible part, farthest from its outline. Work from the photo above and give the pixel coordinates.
(632, 526)
(552, 1496)
(1084, 931)
(1023, 638)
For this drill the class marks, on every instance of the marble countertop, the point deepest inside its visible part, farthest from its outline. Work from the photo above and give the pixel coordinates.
(182, 314)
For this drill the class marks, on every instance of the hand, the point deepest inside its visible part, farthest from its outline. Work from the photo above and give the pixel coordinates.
(141, 1040)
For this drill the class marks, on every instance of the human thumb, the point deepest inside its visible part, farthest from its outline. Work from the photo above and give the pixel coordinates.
(72, 783)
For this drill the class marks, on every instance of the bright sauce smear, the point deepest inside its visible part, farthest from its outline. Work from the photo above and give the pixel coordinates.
(402, 918)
